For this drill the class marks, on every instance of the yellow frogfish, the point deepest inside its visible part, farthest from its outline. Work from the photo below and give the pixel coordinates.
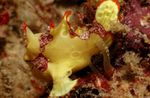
(59, 53)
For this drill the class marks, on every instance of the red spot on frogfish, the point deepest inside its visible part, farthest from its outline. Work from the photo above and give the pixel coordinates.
(40, 63)
(45, 38)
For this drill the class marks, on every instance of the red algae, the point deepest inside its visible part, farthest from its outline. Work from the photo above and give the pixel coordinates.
(52, 24)
(24, 27)
(4, 18)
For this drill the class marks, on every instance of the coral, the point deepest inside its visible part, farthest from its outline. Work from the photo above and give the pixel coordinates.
(106, 13)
